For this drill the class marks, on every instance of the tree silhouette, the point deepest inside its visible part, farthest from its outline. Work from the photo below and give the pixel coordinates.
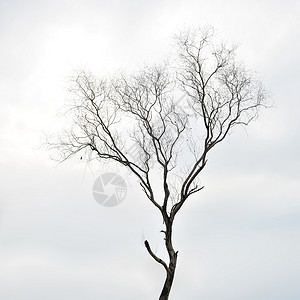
(175, 115)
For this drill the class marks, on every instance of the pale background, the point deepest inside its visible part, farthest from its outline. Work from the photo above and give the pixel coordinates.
(237, 239)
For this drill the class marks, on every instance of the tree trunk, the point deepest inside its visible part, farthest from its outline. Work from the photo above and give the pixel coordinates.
(169, 280)
(172, 262)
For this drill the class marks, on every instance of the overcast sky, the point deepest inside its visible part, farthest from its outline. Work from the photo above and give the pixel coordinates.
(237, 239)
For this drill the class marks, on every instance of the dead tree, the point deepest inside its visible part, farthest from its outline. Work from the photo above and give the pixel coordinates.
(164, 113)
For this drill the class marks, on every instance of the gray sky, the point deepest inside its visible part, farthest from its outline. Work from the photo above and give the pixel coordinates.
(237, 239)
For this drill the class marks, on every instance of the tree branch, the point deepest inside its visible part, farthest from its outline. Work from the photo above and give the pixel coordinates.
(160, 261)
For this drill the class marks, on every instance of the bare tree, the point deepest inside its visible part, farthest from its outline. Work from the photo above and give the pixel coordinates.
(218, 94)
